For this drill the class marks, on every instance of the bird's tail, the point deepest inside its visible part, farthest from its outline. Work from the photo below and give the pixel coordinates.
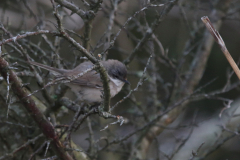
(55, 71)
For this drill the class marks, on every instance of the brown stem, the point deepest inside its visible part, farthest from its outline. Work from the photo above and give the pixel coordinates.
(30, 105)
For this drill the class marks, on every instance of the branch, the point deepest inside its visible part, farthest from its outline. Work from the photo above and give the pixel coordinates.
(42, 122)
(27, 34)
(74, 9)
(151, 29)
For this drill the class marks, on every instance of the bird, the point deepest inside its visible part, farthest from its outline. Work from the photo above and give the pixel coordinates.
(88, 88)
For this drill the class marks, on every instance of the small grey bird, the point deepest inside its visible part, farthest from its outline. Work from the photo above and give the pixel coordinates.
(89, 86)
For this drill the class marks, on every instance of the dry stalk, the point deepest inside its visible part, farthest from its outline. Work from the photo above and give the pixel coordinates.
(221, 43)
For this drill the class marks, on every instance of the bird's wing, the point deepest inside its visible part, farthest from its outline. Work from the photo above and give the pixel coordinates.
(91, 79)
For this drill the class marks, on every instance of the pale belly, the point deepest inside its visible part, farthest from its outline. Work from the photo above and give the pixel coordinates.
(86, 94)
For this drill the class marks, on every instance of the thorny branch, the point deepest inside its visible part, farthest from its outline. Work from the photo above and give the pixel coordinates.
(31, 107)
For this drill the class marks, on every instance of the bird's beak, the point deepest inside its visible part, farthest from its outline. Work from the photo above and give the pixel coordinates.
(126, 81)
